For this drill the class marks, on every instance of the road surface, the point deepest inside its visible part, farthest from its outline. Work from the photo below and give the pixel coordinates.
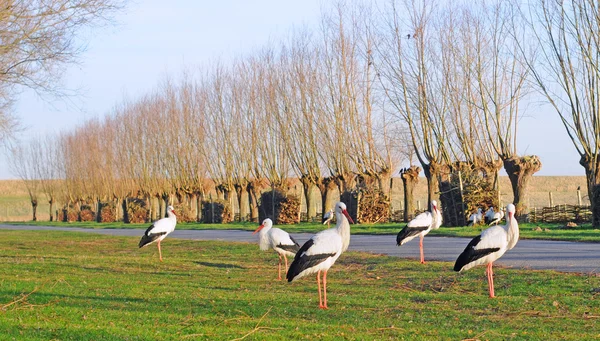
(528, 254)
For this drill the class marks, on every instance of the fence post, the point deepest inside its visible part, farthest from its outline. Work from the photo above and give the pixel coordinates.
(212, 210)
(578, 196)
(551, 200)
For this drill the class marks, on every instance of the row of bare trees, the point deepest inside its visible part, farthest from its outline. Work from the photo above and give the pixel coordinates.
(342, 106)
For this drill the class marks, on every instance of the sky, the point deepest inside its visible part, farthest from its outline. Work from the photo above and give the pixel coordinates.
(156, 38)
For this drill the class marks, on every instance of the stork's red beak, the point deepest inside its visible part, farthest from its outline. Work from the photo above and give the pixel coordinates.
(173, 212)
(258, 229)
(348, 216)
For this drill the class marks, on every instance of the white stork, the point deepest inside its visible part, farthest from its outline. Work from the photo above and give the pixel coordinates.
(322, 250)
(489, 215)
(159, 230)
(475, 218)
(490, 245)
(327, 217)
(420, 226)
(278, 240)
(497, 217)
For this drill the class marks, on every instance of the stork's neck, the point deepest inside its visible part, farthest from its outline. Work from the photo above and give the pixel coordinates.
(512, 227)
(343, 228)
(263, 238)
(170, 215)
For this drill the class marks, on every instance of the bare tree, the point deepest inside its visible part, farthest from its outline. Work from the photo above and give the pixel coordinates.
(39, 39)
(501, 84)
(23, 163)
(408, 76)
(47, 170)
(566, 73)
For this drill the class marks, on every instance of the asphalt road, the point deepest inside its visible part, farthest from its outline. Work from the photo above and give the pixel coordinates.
(528, 254)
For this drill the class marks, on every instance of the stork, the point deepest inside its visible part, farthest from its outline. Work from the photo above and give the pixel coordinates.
(497, 217)
(490, 245)
(489, 215)
(475, 218)
(420, 226)
(270, 237)
(327, 217)
(321, 251)
(159, 230)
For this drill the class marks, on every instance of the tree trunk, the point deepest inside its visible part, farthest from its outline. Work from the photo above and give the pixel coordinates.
(98, 210)
(307, 187)
(241, 191)
(592, 174)
(51, 202)
(384, 181)
(119, 216)
(254, 189)
(520, 170)
(34, 205)
(410, 178)
(432, 183)
(125, 213)
(155, 208)
(199, 200)
(192, 204)
(327, 199)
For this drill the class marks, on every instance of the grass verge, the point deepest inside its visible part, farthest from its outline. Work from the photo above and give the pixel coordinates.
(73, 286)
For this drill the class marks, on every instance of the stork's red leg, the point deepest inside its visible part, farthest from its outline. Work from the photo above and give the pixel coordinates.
(159, 252)
(421, 250)
(279, 269)
(491, 280)
(319, 286)
(286, 264)
(325, 289)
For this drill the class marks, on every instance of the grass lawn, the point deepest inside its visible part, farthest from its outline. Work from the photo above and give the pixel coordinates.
(582, 233)
(74, 286)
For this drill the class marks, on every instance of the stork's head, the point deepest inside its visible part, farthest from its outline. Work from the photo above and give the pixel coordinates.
(268, 223)
(340, 208)
(434, 205)
(170, 209)
(510, 208)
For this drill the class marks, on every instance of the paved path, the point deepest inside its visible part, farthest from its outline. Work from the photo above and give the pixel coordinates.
(534, 254)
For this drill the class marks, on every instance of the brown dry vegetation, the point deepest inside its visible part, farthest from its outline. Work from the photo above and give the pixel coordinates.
(15, 206)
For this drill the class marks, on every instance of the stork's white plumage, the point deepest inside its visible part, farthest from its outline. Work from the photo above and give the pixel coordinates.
(159, 230)
(475, 218)
(490, 245)
(327, 217)
(321, 251)
(420, 226)
(497, 217)
(270, 237)
(489, 215)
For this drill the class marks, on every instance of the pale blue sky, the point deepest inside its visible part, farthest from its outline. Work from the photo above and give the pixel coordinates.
(155, 38)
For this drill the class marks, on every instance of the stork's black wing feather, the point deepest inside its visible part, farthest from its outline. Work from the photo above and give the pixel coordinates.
(148, 237)
(409, 232)
(470, 254)
(302, 261)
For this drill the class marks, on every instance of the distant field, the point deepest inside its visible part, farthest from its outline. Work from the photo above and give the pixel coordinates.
(15, 204)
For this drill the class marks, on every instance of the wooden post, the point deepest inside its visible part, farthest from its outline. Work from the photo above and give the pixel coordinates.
(578, 196)
(462, 217)
(551, 200)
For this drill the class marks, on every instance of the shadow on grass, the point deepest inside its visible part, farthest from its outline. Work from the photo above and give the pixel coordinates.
(220, 265)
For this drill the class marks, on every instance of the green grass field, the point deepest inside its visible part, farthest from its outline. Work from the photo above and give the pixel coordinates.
(72, 286)
(582, 233)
